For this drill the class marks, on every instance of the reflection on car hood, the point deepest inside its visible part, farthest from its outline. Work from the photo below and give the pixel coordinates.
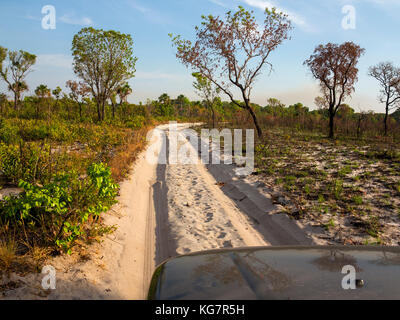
(279, 273)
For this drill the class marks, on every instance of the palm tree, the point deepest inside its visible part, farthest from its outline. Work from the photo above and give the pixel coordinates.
(123, 92)
(17, 88)
(56, 93)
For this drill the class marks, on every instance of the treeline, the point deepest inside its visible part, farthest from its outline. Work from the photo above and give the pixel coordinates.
(349, 122)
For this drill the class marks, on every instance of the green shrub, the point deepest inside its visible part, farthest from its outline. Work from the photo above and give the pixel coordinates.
(136, 122)
(26, 161)
(8, 132)
(337, 188)
(358, 200)
(57, 213)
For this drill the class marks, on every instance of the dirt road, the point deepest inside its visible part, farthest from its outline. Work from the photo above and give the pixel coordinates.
(196, 208)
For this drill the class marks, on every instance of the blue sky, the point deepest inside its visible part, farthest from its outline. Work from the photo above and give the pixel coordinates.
(158, 71)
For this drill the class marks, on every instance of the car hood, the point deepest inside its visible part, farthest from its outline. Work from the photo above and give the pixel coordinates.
(280, 273)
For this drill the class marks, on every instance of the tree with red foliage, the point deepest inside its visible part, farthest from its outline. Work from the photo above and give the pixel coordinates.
(231, 52)
(335, 67)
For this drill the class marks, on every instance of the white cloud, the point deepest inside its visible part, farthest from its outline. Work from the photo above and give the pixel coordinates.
(71, 19)
(54, 60)
(140, 8)
(31, 17)
(262, 4)
(219, 3)
(151, 14)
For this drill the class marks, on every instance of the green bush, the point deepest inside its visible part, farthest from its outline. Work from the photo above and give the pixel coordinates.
(136, 122)
(8, 132)
(26, 161)
(58, 212)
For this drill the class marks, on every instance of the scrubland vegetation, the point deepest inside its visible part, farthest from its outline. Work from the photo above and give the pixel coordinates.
(350, 187)
(63, 151)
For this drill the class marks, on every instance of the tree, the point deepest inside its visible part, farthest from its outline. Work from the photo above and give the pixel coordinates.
(113, 99)
(274, 107)
(233, 51)
(275, 103)
(57, 93)
(3, 101)
(79, 91)
(163, 107)
(104, 61)
(321, 103)
(207, 91)
(335, 67)
(182, 103)
(361, 116)
(345, 111)
(298, 109)
(123, 92)
(14, 74)
(42, 92)
(388, 77)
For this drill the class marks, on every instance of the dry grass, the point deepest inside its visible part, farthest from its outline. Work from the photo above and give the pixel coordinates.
(126, 154)
(38, 255)
(8, 253)
(120, 159)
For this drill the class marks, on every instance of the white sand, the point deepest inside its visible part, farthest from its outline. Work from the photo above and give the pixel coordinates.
(200, 216)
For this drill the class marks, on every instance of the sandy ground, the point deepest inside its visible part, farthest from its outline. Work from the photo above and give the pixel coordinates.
(200, 216)
(164, 210)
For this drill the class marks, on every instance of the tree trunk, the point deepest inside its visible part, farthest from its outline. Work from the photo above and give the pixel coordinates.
(253, 115)
(37, 109)
(113, 111)
(98, 110)
(331, 125)
(15, 101)
(359, 127)
(213, 116)
(80, 110)
(386, 119)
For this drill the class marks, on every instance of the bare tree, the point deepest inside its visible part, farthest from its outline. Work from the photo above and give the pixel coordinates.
(233, 51)
(388, 77)
(335, 67)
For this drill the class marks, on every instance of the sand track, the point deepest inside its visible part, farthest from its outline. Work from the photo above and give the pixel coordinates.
(165, 210)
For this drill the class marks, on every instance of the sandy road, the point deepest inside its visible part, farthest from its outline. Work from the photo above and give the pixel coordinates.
(193, 214)
(181, 208)
(170, 209)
